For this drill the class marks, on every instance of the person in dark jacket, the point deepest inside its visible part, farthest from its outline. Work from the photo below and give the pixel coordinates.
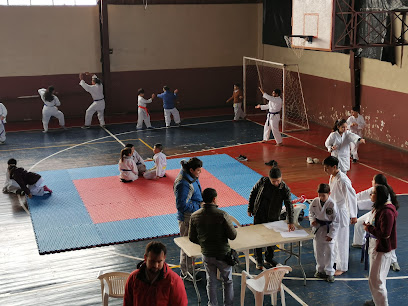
(265, 205)
(187, 190)
(31, 183)
(154, 283)
(211, 228)
(383, 239)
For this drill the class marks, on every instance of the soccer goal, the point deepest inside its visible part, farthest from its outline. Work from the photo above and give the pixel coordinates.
(270, 76)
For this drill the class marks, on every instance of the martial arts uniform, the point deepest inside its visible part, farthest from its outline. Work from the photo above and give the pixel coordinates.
(274, 107)
(326, 214)
(141, 167)
(343, 147)
(10, 185)
(30, 182)
(358, 130)
(50, 109)
(159, 169)
(128, 169)
(3, 113)
(237, 97)
(98, 104)
(344, 195)
(169, 99)
(142, 112)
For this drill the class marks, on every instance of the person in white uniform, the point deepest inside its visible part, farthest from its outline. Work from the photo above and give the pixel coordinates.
(127, 167)
(160, 164)
(344, 195)
(356, 124)
(338, 144)
(3, 114)
(50, 108)
(98, 105)
(324, 218)
(364, 203)
(141, 167)
(142, 112)
(274, 107)
(10, 185)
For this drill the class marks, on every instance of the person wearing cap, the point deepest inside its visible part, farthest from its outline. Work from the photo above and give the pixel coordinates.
(3, 114)
(98, 105)
(50, 108)
(169, 99)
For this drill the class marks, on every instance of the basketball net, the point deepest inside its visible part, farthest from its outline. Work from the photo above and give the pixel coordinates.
(296, 44)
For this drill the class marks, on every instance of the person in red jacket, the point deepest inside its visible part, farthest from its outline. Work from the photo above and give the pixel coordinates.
(154, 283)
(383, 238)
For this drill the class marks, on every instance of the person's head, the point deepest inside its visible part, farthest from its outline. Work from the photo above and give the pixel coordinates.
(275, 176)
(237, 86)
(379, 196)
(12, 161)
(276, 93)
(95, 80)
(125, 152)
(158, 147)
(192, 166)
(323, 191)
(166, 88)
(209, 196)
(141, 92)
(340, 126)
(131, 146)
(49, 94)
(355, 111)
(380, 179)
(155, 256)
(330, 165)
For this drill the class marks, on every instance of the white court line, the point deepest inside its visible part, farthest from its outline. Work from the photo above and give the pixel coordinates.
(344, 279)
(117, 139)
(292, 294)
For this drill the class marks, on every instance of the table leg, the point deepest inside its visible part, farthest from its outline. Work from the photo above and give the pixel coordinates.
(300, 262)
(195, 281)
(290, 253)
(246, 253)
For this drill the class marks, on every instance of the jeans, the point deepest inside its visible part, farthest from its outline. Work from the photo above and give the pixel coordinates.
(211, 265)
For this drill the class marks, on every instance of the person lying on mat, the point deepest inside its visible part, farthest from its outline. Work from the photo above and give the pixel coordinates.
(31, 183)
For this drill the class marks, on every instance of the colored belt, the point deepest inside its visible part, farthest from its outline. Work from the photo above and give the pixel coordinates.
(145, 109)
(125, 170)
(270, 113)
(364, 249)
(323, 223)
(138, 163)
(99, 100)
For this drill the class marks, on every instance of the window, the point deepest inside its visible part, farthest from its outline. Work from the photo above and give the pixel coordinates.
(47, 2)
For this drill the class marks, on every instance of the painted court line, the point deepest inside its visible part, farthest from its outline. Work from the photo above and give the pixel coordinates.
(117, 139)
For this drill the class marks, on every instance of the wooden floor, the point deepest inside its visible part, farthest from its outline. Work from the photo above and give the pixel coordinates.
(69, 278)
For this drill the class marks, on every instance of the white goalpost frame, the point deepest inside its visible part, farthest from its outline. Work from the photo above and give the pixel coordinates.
(284, 85)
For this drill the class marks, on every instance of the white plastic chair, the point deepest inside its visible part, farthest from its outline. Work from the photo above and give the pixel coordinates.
(269, 282)
(112, 285)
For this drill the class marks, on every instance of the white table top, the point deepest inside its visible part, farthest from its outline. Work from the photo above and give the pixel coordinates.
(248, 237)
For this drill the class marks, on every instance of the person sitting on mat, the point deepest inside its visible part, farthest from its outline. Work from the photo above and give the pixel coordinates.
(127, 167)
(141, 167)
(31, 183)
(160, 164)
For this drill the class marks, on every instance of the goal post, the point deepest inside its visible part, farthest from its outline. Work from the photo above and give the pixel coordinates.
(269, 76)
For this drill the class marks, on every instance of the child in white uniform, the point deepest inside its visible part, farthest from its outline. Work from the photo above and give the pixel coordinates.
(356, 124)
(160, 164)
(142, 112)
(127, 167)
(50, 108)
(10, 185)
(3, 114)
(141, 167)
(274, 107)
(324, 218)
(98, 105)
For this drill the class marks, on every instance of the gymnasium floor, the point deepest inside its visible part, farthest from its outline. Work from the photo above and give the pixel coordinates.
(69, 278)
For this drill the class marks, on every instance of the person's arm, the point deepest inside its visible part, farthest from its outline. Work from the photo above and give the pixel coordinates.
(3, 111)
(351, 198)
(364, 195)
(289, 208)
(252, 197)
(128, 296)
(229, 227)
(85, 86)
(160, 95)
(386, 221)
(178, 295)
(240, 96)
(192, 232)
(19, 179)
(355, 138)
(312, 214)
(329, 143)
(230, 99)
(181, 192)
(361, 122)
(335, 225)
(57, 101)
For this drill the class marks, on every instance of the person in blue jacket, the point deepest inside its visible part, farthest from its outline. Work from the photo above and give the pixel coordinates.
(187, 190)
(169, 100)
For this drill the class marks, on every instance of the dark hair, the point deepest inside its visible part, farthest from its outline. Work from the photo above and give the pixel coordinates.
(380, 179)
(323, 188)
(356, 109)
(129, 145)
(275, 173)
(97, 81)
(159, 146)
(237, 85)
(140, 91)
(277, 91)
(192, 163)
(208, 195)
(125, 152)
(338, 123)
(382, 196)
(48, 96)
(166, 88)
(11, 161)
(155, 247)
(331, 161)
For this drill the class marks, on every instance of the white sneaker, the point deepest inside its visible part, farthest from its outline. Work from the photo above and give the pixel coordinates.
(309, 160)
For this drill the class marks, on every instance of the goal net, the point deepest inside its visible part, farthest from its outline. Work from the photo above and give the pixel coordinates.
(270, 76)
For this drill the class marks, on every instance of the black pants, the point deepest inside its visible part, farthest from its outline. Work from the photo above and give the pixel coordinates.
(269, 250)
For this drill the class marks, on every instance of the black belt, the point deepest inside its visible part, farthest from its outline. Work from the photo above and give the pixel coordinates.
(364, 249)
(125, 170)
(99, 100)
(275, 113)
(138, 163)
(323, 223)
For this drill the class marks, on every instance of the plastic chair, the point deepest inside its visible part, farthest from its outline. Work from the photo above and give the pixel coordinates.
(269, 282)
(235, 221)
(112, 285)
(297, 209)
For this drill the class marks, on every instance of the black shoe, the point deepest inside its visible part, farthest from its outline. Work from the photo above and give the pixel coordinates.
(20, 192)
(272, 163)
(354, 160)
(271, 262)
(84, 127)
(321, 275)
(369, 303)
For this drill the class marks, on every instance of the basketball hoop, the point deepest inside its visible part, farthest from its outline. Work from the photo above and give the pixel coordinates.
(297, 43)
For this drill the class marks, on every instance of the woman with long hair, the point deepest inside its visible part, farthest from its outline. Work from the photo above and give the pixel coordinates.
(50, 108)
(382, 228)
(338, 144)
(127, 167)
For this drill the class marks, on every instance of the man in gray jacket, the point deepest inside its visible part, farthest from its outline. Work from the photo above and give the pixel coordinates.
(211, 228)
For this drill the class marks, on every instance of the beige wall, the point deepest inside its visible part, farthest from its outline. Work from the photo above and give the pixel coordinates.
(181, 36)
(48, 40)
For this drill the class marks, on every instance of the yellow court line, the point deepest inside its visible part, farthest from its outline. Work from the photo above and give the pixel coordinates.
(146, 144)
